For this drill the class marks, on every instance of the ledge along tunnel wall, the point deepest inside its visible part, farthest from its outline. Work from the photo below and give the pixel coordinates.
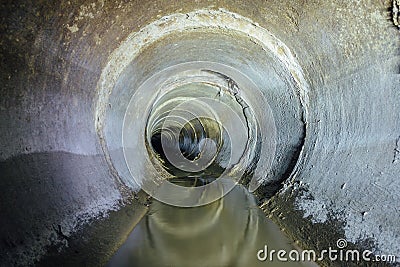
(328, 71)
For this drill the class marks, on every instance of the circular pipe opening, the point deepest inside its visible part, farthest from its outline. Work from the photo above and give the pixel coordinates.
(202, 107)
(195, 131)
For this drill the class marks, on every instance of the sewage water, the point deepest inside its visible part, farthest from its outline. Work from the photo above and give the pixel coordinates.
(228, 232)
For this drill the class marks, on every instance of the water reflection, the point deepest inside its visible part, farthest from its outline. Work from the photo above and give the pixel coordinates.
(228, 232)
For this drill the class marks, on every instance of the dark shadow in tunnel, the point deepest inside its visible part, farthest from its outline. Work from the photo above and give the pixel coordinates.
(270, 188)
(51, 186)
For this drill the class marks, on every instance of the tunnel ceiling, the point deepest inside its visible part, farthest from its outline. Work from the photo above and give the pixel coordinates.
(86, 86)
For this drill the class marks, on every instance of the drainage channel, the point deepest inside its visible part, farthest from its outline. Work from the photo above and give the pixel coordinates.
(227, 232)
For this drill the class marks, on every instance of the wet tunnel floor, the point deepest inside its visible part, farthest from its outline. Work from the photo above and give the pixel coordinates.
(228, 232)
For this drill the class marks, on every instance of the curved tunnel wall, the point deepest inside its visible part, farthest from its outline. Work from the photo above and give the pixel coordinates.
(57, 174)
(206, 46)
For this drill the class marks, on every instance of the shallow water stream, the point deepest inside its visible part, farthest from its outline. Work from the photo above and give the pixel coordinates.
(227, 232)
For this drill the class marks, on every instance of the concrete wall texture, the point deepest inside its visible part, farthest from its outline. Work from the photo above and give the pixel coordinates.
(335, 101)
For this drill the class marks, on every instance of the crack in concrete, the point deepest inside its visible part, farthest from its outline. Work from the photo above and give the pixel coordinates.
(59, 232)
(396, 155)
(233, 89)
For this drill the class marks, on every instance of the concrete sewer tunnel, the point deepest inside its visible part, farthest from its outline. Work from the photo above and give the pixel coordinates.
(107, 106)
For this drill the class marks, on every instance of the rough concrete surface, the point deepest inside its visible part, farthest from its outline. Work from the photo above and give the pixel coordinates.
(61, 164)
